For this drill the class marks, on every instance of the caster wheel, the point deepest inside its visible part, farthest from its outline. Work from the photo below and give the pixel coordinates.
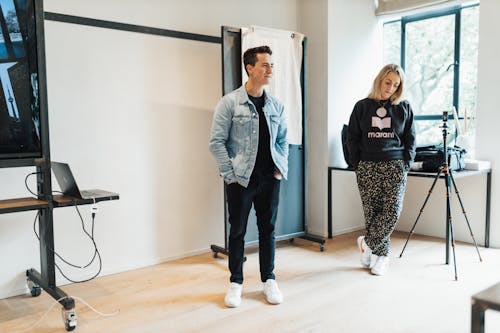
(215, 255)
(322, 248)
(36, 291)
(69, 328)
(70, 319)
(34, 288)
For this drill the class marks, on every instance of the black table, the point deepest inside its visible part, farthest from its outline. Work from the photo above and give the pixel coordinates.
(456, 175)
(482, 301)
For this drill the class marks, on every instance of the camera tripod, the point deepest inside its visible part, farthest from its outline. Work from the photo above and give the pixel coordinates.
(449, 180)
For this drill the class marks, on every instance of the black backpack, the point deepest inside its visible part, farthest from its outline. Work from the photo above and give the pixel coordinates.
(432, 157)
(343, 135)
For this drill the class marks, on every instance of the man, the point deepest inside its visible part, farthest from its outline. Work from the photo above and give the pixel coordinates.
(248, 141)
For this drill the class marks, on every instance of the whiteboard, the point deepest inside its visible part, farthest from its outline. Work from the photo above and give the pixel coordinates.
(131, 113)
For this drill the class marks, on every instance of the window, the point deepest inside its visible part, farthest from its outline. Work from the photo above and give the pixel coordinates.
(438, 52)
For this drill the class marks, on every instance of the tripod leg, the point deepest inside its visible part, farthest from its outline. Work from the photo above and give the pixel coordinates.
(448, 213)
(465, 215)
(449, 222)
(421, 210)
(453, 247)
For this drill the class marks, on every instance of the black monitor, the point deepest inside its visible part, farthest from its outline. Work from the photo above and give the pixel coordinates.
(20, 128)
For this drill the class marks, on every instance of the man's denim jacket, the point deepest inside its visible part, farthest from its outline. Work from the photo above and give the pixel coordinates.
(235, 135)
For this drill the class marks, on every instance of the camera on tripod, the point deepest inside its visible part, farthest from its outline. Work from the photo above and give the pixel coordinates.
(432, 158)
(444, 160)
(444, 126)
(445, 116)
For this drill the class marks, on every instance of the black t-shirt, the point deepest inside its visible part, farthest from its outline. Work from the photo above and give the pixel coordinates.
(264, 163)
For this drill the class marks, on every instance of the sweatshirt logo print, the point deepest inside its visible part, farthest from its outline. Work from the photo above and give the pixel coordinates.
(381, 122)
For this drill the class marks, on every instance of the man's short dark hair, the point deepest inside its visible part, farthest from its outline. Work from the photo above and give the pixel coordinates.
(250, 55)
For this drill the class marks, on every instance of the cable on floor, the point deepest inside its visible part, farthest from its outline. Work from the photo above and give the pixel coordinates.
(35, 324)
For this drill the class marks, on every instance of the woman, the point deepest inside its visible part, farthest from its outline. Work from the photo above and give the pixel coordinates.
(381, 143)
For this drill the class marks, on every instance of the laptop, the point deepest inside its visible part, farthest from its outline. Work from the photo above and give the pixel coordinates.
(68, 185)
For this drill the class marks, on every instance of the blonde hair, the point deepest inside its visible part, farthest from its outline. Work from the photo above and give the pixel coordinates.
(398, 94)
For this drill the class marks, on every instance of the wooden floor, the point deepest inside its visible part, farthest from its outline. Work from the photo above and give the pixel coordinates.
(323, 291)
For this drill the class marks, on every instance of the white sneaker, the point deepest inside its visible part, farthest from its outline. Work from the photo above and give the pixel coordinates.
(272, 292)
(365, 252)
(373, 260)
(233, 296)
(380, 266)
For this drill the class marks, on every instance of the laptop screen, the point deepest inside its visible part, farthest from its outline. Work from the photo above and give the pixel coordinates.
(65, 179)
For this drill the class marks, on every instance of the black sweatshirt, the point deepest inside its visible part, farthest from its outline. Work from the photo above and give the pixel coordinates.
(378, 135)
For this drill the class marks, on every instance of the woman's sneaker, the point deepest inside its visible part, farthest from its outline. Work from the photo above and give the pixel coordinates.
(365, 252)
(380, 266)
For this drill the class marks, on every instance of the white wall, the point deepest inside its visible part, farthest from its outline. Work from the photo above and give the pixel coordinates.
(346, 208)
(314, 24)
(131, 113)
(344, 54)
(488, 116)
(355, 57)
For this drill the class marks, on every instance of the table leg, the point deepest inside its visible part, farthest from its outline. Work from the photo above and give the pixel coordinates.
(477, 318)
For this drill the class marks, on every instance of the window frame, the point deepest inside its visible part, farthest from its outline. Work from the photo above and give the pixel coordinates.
(457, 12)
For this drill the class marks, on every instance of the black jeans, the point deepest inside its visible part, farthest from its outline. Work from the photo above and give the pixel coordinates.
(263, 192)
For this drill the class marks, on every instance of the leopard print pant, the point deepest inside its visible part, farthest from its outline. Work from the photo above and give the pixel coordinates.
(382, 187)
